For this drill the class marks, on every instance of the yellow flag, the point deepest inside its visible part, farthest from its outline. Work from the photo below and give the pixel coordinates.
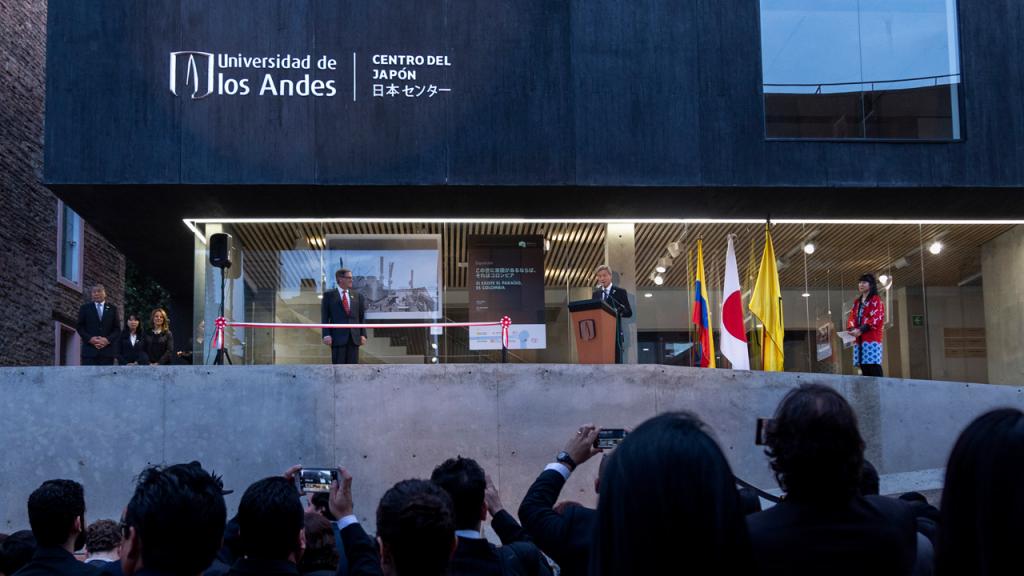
(766, 305)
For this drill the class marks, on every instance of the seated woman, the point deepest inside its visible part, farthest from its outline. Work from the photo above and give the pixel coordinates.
(159, 340)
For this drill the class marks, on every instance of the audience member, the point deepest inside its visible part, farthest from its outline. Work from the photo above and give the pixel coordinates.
(56, 512)
(271, 528)
(983, 498)
(824, 526)
(415, 530)
(321, 555)
(868, 483)
(174, 522)
(132, 348)
(102, 540)
(159, 340)
(16, 550)
(668, 498)
(566, 537)
(464, 480)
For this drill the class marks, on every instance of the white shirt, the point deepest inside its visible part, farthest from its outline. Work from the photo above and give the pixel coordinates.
(560, 468)
(607, 292)
(133, 338)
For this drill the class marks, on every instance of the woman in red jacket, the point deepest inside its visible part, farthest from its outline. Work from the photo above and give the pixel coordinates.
(867, 323)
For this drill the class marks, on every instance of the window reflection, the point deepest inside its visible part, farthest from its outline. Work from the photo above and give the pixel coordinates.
(875, 69)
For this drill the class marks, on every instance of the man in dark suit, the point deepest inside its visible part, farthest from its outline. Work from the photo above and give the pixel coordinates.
(415, 530)
(567, 536)
(343, 306)
(824, 525)
(617, 298)
(56, 513)
(174, 522)
(99, 328)
(464, 480)
(270, 522)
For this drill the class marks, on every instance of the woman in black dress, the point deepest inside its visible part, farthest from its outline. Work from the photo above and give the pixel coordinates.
(133, 346)
(159, 340)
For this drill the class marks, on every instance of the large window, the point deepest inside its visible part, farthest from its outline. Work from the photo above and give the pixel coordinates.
(861, 69)
(69, 246)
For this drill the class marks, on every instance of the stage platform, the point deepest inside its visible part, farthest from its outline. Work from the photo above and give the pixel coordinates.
(101, 426)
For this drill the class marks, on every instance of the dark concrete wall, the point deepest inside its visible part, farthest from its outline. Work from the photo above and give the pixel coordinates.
(30, 295)
(588, 93)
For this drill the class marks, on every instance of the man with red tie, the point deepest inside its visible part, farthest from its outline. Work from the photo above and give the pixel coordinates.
(343, 306)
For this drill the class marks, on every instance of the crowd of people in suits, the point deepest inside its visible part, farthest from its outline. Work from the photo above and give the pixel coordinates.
(106, 342)
(668, 503)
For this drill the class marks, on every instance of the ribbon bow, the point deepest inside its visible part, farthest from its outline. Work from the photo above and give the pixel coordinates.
(506, 323)
(218, 334)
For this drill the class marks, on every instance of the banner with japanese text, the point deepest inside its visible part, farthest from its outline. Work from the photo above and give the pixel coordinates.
(506, 278)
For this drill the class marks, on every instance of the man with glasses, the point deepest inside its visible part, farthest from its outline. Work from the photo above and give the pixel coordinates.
(343, 306)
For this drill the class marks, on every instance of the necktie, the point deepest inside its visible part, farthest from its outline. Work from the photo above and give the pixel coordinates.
(99, 311)
(344, 301)
(604, 294)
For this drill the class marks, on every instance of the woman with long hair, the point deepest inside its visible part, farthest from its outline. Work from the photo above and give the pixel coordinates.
(867, 323)
(669, 505)
(159, 340)
(980, 527)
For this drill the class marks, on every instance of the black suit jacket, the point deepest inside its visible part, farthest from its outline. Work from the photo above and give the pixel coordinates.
(56, 562)
(865, 535)
(565, 537)
(89, 325)
(263, 567)
(332, 312)
(361, 552)
(621, 298)
(478, 557)
(126, 353)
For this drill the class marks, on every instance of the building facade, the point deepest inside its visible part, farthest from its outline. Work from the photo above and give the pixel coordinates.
(50, 256)
(876, 130)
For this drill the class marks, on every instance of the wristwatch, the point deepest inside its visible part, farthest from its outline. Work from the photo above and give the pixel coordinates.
(564, 458)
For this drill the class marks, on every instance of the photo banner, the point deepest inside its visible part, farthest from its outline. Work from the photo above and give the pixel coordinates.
(399, 275)
(506, 277)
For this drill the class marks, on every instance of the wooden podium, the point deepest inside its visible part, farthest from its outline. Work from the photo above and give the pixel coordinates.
(593, 322)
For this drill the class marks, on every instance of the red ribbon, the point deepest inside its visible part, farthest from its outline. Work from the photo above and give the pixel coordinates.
(506, 322)
(218, 334)
(221, 323)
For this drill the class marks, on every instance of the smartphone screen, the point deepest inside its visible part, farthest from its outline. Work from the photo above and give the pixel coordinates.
(608, 438)
(316, 479)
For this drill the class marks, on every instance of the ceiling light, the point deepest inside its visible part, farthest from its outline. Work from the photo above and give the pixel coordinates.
(884, 280)
(809, 248)
(673, 249)
(663, 264)
(648, 295)
(659, 279)
(935, 247)
(806, 294)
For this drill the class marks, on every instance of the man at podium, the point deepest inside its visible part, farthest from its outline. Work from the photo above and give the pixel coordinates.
(617, 298)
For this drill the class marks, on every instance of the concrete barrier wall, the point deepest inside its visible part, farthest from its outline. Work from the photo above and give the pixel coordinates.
(101, 426)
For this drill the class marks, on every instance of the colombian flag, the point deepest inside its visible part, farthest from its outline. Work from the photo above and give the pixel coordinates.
(705, 342)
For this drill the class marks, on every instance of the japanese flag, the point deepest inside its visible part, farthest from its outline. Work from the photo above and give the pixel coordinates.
(733, 344)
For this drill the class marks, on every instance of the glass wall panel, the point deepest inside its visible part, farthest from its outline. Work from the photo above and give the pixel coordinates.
(930, 277)
(865, 69)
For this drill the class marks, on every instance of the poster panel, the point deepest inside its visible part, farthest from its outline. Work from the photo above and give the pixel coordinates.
(506, 278)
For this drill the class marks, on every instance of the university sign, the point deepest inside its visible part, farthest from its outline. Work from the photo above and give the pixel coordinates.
(201, 74)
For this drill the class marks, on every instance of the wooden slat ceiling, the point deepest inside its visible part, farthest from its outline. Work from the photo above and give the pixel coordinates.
(289, 254)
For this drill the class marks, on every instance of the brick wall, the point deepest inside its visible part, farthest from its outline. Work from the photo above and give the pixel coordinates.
(30, 296)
